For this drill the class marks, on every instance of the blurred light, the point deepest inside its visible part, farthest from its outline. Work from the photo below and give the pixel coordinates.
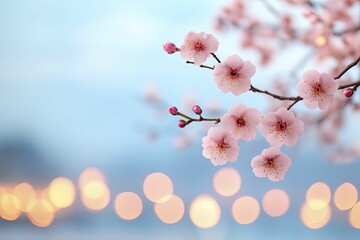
(318, 196)
(171, 211)
(345, 196)
(95, 195)
(25, 195)
(315, 218)
(227, 182)
(46, 196)
(276, 202)
(158, 187)
(8, 203)
(42, 213)
(320, 40)
(128, 205)
(90, 174)
(354, 216)
(61, 192)
(245, 210)
(205, 211)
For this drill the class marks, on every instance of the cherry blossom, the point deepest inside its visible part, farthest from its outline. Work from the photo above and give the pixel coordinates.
(198, 46)
(241, 121)
(272, 163)
(317, 89)
(281, 127)
(233, 75)
(220, 146)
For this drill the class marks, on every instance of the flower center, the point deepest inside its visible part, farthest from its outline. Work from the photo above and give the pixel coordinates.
(222, 145)
(281, 126)
(234, 73)
(240, 122)
(318, 89)
(271, 163)
(199, 46)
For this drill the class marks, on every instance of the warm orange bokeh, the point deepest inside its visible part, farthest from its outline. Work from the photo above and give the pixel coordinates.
(276, 202)
(318, 196)
(42, 213)
(171, 211)
(345, 196)
(8, 206)
(128, 205)
(354, 216)
(95, 195)
(205, 211)
(315, 218)
(61, 192)
(227, 181)
(158, 187)
(25, 195)
(245, 210)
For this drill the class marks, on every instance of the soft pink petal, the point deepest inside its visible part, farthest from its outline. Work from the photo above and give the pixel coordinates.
(248, 70)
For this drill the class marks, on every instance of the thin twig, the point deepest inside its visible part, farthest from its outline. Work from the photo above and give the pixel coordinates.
(203, 66)
(216, 58)
(347, 68)
(270, 8)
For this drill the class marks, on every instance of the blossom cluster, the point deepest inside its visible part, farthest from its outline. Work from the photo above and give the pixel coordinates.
(240, 123)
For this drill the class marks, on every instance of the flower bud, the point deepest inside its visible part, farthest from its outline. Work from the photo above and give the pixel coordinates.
(182, 123)
(170, 48)
(197, 110)
(348, 92)
(173, 111)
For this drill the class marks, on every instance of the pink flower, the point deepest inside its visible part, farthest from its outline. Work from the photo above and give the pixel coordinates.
(198, 46)
(317, 89)
(241, 122)
(170, 48)
(272, 163)
(220, 146)
(233, 75)
(281, 127)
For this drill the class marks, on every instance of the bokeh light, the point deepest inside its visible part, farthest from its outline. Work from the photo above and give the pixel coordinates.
(128, 205)
(275, 202)
(158, 187)
(205, 211)
(354, 216)
(61, 192)
(345, 196)
(318, 195)
(95, 195)
(245, 210)
(8, 205)
(25, 195)
(227, 181)
(171, 211)
(90, 174)
(315, 218)
(320, 40)
(42, 213)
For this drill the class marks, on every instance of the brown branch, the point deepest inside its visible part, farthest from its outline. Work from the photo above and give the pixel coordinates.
(282, 98)
(200, 119)
(354, 84)
(216, 58)
(349, 30)
(203, 66)
(347, 68)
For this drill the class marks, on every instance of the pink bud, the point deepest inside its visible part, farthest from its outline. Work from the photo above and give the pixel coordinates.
(173, 111)
(182, 123)
(170, 48)
(348, 92)
(197, 110)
